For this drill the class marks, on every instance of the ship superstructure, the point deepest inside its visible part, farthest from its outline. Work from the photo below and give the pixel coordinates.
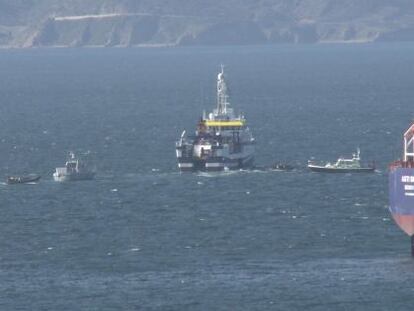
(222, 139)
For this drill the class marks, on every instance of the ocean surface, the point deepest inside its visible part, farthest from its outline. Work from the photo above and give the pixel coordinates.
(142, 236)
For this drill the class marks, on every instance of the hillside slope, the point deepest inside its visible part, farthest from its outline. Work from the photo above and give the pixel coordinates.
(81, 23)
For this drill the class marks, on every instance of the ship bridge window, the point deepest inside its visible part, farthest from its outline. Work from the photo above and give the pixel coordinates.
(71, 165)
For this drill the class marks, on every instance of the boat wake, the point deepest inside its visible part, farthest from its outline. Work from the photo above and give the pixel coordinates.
(217, 174)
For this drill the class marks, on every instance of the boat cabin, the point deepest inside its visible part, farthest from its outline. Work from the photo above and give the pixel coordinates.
(349, 163)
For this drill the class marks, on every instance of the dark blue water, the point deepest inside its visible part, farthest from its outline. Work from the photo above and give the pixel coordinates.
(144, 237)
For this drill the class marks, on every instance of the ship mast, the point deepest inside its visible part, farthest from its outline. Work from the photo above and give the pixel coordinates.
(409, 144)
(222, 96)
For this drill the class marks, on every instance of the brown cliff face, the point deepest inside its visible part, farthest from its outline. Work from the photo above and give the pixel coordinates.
(123, 23)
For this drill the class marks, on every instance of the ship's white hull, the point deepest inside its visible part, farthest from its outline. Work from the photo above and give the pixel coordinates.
(73, 177)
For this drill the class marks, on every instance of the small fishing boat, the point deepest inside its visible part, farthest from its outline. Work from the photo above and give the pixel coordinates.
(25, 179)
(343, 165)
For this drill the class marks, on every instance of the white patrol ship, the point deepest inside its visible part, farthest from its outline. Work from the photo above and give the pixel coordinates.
(222, 140)
(74, 169)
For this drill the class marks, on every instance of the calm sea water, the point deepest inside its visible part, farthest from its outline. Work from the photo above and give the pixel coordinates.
(144, 237)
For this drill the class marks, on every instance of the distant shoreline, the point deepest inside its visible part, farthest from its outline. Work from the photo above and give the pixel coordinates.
(155, 46)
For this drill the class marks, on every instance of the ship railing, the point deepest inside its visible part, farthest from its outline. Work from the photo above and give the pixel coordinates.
(402, 164)
(395, 164)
